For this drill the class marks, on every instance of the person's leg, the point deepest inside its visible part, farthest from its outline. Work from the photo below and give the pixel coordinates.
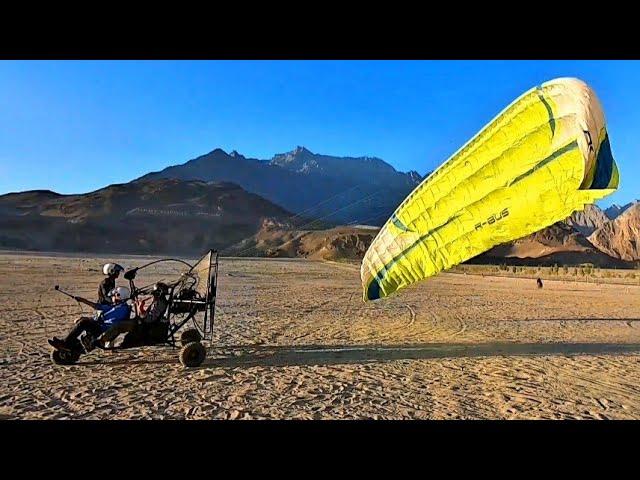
(113, 332)
(83, 324)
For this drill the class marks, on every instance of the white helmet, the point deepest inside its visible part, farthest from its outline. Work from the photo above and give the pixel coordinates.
(111, 268)
(123, 292)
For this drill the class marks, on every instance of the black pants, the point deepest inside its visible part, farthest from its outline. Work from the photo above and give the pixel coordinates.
(124, 326)
(84, 324)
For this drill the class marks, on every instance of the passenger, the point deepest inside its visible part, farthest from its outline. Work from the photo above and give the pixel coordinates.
(159, 304)
(152, 321)
(115, 314)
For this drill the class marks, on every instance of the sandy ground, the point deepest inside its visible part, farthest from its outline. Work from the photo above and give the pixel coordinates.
(294, 340)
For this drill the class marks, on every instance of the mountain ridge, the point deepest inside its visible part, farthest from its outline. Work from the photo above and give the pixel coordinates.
(159, 216)
(325, 191)
(344, 189)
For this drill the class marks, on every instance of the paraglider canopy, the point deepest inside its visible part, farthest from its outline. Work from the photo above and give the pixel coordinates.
(543, 157)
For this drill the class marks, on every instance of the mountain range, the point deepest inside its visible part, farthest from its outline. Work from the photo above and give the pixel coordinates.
(340, 190)
(163, 216)
(295, 204)
(620, 237)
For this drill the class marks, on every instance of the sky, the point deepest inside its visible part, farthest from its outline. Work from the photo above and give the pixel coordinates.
(76, 126)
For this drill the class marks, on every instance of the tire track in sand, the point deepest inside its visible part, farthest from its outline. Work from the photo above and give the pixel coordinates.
(392, 333)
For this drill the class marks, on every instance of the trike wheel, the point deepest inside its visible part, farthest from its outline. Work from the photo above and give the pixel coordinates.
(61, 357)
(193, 354)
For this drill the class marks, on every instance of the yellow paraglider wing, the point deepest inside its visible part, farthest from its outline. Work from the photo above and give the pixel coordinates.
(542, 158)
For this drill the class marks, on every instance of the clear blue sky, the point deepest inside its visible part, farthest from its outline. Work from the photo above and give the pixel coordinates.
(75, 126)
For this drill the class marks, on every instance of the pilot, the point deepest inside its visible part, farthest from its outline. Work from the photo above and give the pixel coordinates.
(111, 272)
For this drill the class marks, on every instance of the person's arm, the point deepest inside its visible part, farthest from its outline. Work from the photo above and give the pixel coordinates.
(86, 302)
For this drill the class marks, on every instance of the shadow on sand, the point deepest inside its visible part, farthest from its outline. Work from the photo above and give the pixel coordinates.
(308, 355)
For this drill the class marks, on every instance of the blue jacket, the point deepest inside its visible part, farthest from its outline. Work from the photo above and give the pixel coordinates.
(112, 314)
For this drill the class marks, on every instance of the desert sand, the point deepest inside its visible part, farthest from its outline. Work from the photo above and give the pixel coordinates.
(294, 340)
